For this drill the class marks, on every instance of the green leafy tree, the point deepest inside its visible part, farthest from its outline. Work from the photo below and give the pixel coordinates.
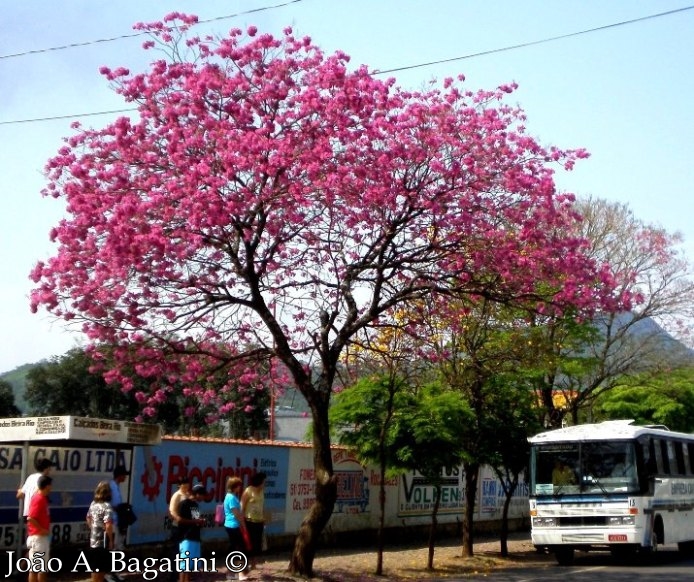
(475, 342)
(516, 419)
(667, 400)
(67, 385)
(428, 437)
(72, 384)
(401, 428)
(7, 405)
(362, 417)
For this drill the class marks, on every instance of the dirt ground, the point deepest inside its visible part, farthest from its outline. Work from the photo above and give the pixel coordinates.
(406, 563)
(402, 563)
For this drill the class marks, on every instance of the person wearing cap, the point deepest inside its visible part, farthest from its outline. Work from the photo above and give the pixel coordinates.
(39, 526)
(189, 524)
(43, 468)
(119, 475)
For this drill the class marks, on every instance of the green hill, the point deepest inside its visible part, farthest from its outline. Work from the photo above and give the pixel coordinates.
(17, 378)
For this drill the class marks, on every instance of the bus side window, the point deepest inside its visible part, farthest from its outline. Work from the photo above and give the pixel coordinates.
(658, 455)
(650, 458)
(664, 457)
(669, 457)
(689, 454)
(679, 456)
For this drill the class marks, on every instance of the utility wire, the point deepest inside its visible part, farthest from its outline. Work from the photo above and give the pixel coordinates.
(535, 42)
(141, 33)
(376, 71)
(59, 117)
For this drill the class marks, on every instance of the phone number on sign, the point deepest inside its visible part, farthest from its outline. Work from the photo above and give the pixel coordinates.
(61, 534)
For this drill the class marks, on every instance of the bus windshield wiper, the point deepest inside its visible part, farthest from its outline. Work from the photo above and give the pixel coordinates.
(594, 481)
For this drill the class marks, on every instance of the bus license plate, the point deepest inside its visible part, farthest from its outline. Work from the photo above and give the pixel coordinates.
(617, 537)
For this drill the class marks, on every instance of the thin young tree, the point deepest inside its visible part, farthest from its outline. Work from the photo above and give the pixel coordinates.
(429, 437)
(362, 417)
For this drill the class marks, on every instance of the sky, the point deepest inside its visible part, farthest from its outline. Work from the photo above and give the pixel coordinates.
(625, 93)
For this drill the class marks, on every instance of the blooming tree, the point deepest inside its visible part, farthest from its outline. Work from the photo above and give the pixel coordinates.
(268, 202)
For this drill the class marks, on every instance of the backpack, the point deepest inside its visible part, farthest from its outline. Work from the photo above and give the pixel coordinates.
(126, 515)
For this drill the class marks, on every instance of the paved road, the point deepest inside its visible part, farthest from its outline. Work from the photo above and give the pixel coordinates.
(667, 566)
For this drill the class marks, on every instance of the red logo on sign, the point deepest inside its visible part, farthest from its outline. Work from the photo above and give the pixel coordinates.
(151, 487)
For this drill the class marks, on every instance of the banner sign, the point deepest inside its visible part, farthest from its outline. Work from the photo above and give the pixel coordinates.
(76, 474)
(416, 494)
(40, 428)
(157, 469)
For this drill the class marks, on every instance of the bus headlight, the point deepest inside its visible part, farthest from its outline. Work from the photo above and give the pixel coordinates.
(544, 521)
(621, 520)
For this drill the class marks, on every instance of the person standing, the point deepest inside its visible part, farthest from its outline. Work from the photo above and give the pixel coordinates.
(119, 475)
(100, 518)
(39, 526)
(189, 523)
(183, 492)
(253, 511)
(26, 491)
(233, 519)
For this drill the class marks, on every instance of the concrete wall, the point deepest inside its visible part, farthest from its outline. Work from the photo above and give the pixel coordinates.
(289, 489)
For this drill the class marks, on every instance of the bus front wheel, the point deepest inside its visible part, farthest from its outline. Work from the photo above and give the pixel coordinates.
(565, 556)
(657, 538)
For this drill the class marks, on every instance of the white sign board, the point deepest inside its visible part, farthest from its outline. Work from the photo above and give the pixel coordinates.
(79, 428)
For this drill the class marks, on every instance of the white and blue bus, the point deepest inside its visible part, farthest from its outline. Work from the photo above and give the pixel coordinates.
(611, 486)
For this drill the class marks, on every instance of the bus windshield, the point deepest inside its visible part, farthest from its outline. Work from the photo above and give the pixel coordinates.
(583, 468)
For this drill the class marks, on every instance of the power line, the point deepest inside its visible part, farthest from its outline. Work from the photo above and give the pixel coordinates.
(376, 71)
(141, 33)
(536, 42)
(59, 117)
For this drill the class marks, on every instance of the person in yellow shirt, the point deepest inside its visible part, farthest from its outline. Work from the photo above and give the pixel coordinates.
(253, 511)
(562, 474)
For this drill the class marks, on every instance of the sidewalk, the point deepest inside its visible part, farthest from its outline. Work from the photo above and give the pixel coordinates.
(400, 563)
(407, 562)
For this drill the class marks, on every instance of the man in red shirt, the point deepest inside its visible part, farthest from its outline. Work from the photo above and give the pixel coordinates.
(39, 526)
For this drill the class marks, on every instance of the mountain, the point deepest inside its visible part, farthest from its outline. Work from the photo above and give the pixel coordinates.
(654, 339)
(17, 379)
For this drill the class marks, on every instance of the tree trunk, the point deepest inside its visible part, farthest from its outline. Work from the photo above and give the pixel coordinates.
(381, 519)
(432, 529)
(509, 485)
(503, 537)
(301, 561)
(471, 475)
(392, 388)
